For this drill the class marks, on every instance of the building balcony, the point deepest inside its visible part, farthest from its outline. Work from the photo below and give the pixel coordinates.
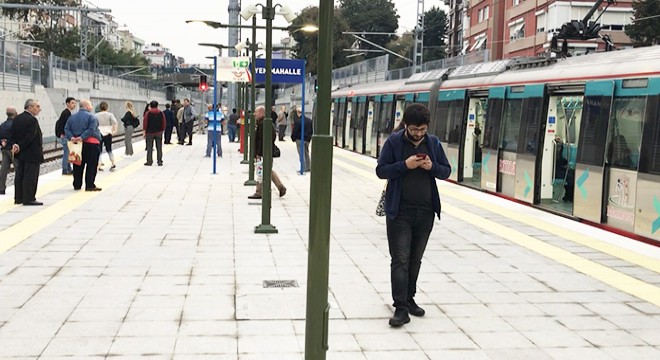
(516, 11)
(476, 29)
(520, 44)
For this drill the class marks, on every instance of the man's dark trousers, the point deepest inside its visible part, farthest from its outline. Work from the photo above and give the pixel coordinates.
(25, 185)
(189, 130)
(407, 235)
(168, 133)
(90, 159)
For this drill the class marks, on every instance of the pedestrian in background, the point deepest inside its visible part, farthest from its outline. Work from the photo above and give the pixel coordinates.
(281, 122)
(169, 126)
(189, 116)
(307, 137)
(83, 127)
(214, 130)
(27, 146)
(131, 122)
(410, 160)
(70, 103)
(107, 126)
(260, 115)
(5, 145)
(232, 125)
(152, 130)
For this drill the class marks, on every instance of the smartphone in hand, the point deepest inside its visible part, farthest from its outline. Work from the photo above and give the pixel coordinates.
(421, 156)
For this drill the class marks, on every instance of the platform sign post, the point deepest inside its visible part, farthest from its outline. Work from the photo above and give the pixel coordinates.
(320, 198)
(279, 71)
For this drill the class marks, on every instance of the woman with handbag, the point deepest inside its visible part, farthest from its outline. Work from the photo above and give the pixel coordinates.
(130, 121)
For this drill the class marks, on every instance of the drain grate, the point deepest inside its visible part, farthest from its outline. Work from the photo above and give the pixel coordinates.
(280, 283)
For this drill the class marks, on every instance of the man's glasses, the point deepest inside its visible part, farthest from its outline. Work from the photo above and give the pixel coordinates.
(417, 130)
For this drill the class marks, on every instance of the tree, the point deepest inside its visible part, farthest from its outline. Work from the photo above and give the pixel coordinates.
(371, 16)
(646, 30)
(435, 31)
(403, 46)
(307, 43)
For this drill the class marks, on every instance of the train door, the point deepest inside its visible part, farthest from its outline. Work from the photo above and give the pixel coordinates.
(528, 157)
(341, 121)
(510, 139)
(348, 138)
(590, 163)
(370, 130)
(401, 104)
(450, 129)
(385, 120)
(648, 179)
(558, 160)
(490, 153)
(623, 152)
(334, 109)
(474, 136)
(359, 124)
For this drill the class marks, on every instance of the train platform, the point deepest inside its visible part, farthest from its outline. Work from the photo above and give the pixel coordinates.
(164, 264)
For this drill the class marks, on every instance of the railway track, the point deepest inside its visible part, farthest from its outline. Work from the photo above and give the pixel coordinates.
(53, 151)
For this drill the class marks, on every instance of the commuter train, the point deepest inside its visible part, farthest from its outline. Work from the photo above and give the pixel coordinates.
(577, 136)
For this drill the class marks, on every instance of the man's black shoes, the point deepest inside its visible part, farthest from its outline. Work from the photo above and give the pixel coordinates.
(400, 317)
(414, 309)
(33, 203)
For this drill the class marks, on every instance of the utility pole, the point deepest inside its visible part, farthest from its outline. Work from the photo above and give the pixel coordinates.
(234, 10)
(419, 37)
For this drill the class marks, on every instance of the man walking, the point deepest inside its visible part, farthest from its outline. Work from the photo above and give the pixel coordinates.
(28, 148)
(411, 160)
(169, 126)
(5, 144)
(232, 125)
(259, 117)
(307, 137)
(154, 125)
(61, 138)
(83, 127)
(188, 119)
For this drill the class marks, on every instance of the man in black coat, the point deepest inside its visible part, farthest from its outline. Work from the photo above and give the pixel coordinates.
(28, 149)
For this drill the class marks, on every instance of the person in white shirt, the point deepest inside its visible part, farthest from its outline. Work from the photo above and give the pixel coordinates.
(108, 126)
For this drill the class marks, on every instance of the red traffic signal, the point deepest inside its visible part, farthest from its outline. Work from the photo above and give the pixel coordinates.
(203, 86)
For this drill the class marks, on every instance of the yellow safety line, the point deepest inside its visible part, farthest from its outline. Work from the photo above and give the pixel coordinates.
(582, 239)
(616, 279)
(15, 234)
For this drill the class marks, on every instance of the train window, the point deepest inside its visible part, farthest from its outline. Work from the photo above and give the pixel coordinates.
(335, 112)
(361, 116)
(531, 123)
(442, 122)
(511, 124)
(455, 117)
(385, 113)
(649, 161)
(593, 129)
(493, 122)
(341, 117)
(627, 121)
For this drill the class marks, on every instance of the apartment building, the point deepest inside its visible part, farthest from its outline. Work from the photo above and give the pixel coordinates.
(511, 28)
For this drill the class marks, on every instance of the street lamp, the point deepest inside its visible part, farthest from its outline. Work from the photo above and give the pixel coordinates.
(268, 13)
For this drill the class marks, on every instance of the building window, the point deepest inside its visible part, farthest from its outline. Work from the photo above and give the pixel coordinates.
(540, 23)
(480, 16)
(517, 32)
(517, 2)
(479, 43)
(486, 12)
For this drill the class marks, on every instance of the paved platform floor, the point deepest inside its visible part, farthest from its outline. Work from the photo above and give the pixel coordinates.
(164, 264)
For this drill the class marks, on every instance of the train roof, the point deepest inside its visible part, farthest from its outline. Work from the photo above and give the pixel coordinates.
(631, 63)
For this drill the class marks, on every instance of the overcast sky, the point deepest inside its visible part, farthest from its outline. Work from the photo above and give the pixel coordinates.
(164, 21)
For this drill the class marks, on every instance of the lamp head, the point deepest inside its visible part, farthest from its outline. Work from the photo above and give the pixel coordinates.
(287, 13)
(249, 11)
(241, 46)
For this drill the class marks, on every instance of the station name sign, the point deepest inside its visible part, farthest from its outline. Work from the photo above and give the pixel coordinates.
(284, 70)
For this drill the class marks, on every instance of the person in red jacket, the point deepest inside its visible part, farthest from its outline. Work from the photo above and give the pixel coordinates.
(153, 128)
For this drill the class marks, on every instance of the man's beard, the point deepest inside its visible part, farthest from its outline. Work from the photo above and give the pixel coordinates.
(414, 137)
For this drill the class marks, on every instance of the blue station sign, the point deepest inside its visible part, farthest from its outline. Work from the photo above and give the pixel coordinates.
(284, 71)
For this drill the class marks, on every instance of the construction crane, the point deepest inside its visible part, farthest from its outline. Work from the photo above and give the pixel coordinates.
(582, 30)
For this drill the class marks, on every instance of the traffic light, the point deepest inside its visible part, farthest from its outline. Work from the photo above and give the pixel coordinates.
(202, 83)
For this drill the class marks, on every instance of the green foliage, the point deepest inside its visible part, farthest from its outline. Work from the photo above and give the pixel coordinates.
(307, 43)
(24, 14)
(435, 31)
(645, 32)
(371, 16)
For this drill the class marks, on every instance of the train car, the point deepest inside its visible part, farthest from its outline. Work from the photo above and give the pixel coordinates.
(578, 136)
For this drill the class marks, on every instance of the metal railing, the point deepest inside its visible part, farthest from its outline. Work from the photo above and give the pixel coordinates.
(20, 66)
(473, 58)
